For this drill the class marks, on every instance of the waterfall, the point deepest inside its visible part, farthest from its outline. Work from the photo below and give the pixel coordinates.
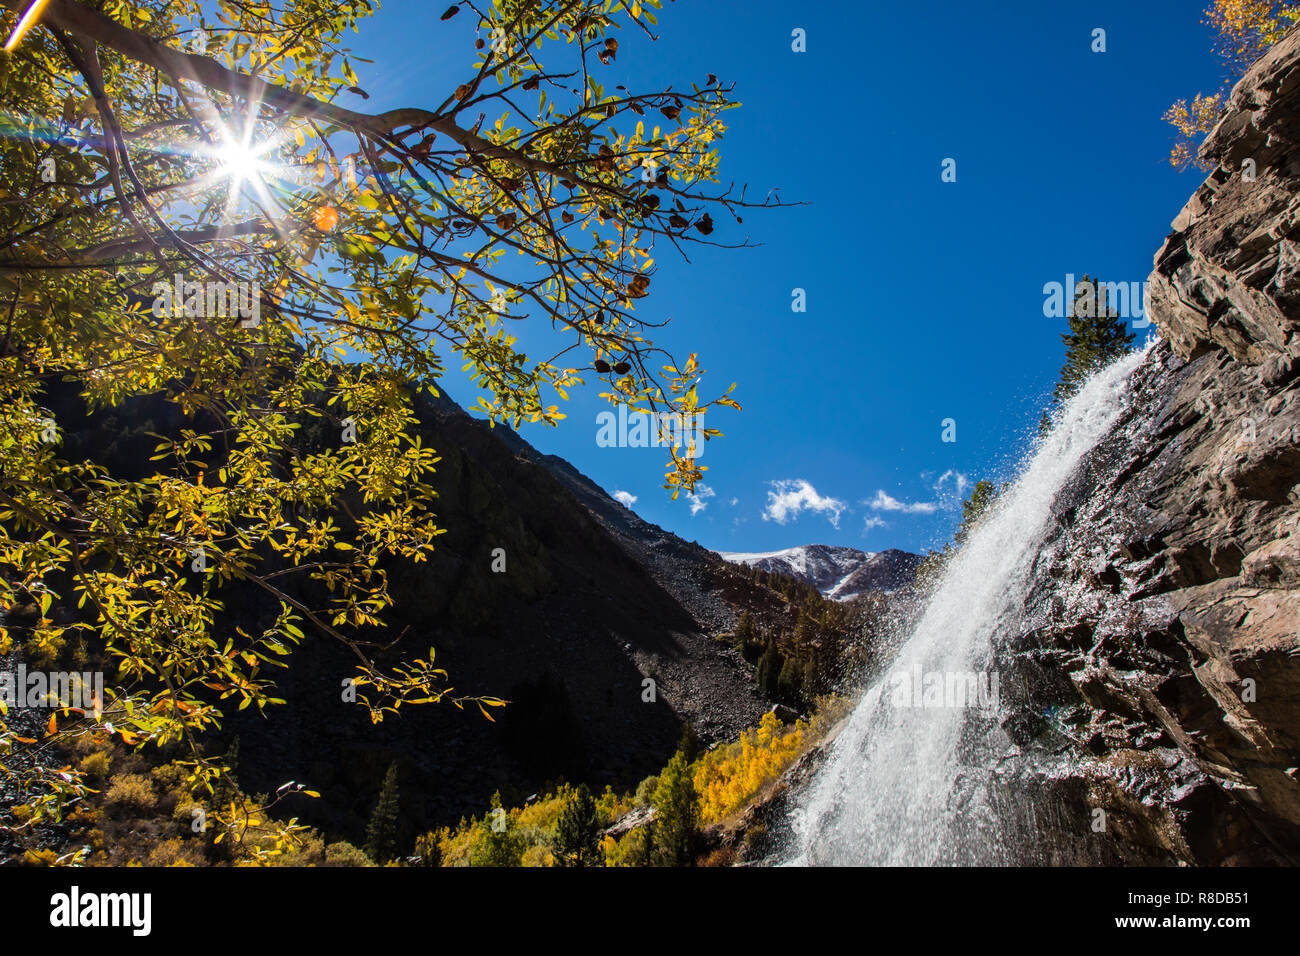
(904, 781)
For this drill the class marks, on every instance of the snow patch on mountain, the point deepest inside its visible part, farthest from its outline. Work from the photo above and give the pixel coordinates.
(839, 572)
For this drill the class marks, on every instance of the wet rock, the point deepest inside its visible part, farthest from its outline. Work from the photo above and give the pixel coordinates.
(1182, 564)
(1193, 656)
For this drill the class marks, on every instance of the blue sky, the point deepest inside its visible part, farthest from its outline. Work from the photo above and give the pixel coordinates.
(924, 298)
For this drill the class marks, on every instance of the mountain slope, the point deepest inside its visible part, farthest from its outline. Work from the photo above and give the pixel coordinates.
(585, 614)
(592, 606)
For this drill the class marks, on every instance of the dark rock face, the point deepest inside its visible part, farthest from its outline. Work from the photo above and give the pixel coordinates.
(584, 612)
(1160, 654)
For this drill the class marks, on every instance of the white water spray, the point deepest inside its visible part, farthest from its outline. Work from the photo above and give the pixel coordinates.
(904, 782)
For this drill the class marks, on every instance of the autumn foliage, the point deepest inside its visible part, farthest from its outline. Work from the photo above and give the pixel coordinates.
(1244, 29)
(265, 473)
(728, 777)
(717, 785)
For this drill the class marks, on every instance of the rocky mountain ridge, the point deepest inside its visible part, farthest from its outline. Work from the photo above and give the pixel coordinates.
(840, 573)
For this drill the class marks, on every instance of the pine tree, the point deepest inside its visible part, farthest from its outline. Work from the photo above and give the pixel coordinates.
(689, 742)
(577, 834)
(805, 630)
(381, 833)
(1096, 338)
(746, 634)
(769, 670)
(749, 639)
(811, 681)
(676, 816)
(789, 683)
(981, 497)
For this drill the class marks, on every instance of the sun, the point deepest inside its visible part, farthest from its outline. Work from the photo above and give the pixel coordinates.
(248, 159)
(246, 162)
(241, 162)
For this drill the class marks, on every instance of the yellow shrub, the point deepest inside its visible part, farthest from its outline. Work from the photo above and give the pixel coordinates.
(43, 650)
(538, 856)
(307, 849)
(168, 776)
(631, 850)
(130, 791)
(543, 813)
(611, 806)
(96, 765)
(176, 852)
(454, 846)
(345, 854)
(727, 777)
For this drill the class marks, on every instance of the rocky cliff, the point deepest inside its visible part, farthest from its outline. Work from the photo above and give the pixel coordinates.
(1157, 669)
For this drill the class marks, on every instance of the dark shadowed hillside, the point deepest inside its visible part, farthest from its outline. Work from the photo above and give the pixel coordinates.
(592, 603)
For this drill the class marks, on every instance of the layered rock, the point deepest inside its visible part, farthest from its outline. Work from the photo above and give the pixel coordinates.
(1160, 648)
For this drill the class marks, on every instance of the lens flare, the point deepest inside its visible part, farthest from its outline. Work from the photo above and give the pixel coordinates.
(28, 21)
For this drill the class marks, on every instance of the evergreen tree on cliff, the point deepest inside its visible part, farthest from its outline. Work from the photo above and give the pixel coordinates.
(1096, 338)
(981, 496)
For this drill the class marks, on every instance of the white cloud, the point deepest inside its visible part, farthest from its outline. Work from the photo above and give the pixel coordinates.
(793, 496)
(874, 521)
(950, 483)
(626, 499)
(885, 502)
(733, 502)
(699, 500)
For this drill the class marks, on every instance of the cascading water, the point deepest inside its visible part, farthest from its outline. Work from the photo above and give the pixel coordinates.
(905, 782)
